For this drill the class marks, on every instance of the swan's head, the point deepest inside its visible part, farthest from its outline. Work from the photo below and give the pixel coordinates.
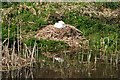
(60, 24)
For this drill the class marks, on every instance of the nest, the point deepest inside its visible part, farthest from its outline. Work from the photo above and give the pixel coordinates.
(70, 35)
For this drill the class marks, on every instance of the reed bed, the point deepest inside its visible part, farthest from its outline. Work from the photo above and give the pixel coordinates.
(103, 45)
(18, 55)
(23, 55)
(12, 60)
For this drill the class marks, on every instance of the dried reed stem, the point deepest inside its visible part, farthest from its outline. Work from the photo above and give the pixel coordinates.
(18, 41)
(0, 53)
(89, 57)
(82, 58)
(13, 52)
(95, 59)
(32, 54)
(27, 50)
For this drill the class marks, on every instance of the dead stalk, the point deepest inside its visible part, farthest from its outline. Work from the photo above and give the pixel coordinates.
(82, 58)
(18, 41)
(32, 54)
(0, 56)
(27, 51)
(4, 40)
(8, 34)
(89, 57)
(111, 59)
(37, 53)
(116, 60)
(95, 59)
(20, 36)
(13, 53)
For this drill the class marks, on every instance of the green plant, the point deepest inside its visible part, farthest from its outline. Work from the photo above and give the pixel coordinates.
(47, 45)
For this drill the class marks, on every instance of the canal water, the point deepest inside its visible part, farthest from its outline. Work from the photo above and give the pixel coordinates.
(82, 70)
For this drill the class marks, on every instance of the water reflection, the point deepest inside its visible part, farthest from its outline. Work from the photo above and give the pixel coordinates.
(81, 71)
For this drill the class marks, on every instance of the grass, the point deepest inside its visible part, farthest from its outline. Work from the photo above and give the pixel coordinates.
(25, 20)
(47, 45)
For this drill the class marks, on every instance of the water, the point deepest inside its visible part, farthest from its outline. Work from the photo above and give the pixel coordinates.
(82, 70)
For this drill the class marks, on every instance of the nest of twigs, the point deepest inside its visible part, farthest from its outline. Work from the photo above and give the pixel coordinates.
(70, 35)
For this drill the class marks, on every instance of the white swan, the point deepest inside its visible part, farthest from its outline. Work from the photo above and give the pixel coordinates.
(60, 24)
(59, 59)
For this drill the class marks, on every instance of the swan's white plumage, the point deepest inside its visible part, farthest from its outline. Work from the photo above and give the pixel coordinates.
(59, 59)
(60, 24)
